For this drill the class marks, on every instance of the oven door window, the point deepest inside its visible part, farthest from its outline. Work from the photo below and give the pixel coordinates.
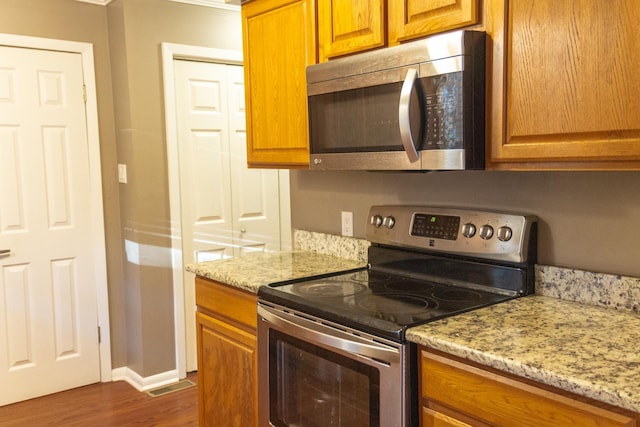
(311, 386)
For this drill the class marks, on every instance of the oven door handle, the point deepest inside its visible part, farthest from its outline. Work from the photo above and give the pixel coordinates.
(313, 332)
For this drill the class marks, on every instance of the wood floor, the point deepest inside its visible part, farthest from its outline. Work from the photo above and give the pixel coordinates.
(106, 404)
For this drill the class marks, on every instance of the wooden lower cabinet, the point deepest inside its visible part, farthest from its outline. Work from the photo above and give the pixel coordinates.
(456, 393)
(227, 355)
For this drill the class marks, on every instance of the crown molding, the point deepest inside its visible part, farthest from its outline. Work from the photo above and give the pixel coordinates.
(220, 4)
(101, 2)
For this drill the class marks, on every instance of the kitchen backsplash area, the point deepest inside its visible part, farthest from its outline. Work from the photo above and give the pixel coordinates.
(330, 244)
(604, 290)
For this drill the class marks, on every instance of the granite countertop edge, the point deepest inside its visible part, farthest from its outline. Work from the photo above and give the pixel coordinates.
(587, 359)
(253, 270)
(584, 333)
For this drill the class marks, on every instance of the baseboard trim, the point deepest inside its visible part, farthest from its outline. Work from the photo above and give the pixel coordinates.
(144, 383)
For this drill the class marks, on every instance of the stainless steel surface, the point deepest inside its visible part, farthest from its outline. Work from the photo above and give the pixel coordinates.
(425, 50)
(451, 159)
(515, 249)
(356, 81)
(316, 332)
(413, 68)
(404, 116)
(392, 365)
(397, 160)
(442, 66)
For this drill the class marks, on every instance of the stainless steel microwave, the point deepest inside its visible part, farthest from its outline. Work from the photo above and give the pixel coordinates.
(416, 106)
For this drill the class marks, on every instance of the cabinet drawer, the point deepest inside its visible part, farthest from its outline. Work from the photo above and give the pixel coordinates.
(501, 400)
(431, 418)
(225, 302)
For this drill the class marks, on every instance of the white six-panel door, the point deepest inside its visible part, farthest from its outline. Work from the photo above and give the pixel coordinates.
(226, 208)
(48, 308)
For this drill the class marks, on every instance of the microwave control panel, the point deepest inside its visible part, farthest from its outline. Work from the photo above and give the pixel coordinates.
(444, 124)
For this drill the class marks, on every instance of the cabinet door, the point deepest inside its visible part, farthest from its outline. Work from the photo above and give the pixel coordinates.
(565, 88)
(346, 27)
(227, 383)
(409, 19)
(500, 400)
(278, 42)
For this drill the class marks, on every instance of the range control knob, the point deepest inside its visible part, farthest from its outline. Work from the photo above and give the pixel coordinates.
(468, 230)
(389, 221)
(504, 233)
(486, 232)
(376, 220)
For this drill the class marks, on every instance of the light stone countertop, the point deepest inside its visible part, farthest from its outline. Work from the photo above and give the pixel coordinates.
(591, 351)
(580, 334)
(253, 270)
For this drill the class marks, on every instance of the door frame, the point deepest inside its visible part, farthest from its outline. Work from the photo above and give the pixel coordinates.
(171, 52)
(95, 201)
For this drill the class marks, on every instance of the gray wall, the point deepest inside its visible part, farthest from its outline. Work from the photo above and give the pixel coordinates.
(588, 220)
(126, 36)
(137, 28)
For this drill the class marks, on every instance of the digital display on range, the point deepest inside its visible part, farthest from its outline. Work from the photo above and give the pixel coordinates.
(435, 226)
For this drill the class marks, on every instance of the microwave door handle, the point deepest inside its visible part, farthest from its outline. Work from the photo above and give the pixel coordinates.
(404, 119)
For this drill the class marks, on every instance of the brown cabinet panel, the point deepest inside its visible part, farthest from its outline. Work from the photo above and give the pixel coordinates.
(346, 27)
(501, 400)
(227, 387)
(410, 19)
(431, 418)
(227, 355)
(228, 303)
(565, 91)
(278, 42)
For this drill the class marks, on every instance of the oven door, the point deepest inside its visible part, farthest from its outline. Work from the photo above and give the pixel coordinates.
(315, 373)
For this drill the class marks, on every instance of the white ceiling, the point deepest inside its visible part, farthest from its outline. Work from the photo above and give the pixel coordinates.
(220, 4)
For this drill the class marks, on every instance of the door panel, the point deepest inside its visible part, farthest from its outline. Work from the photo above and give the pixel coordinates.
(226, 209)
(48, 306)
(254, 192)
(205, 186)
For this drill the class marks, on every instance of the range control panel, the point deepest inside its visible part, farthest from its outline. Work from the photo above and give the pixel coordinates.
(484, 234)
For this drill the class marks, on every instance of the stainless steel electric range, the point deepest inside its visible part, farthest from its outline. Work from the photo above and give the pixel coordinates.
(332, 349)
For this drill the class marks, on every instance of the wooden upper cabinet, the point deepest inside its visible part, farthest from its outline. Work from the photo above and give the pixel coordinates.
(346, 26)
(351, 26)
(409, 19)
(565, 90)
(279, 42)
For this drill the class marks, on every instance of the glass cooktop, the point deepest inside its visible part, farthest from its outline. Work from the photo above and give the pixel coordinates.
(377, 302)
